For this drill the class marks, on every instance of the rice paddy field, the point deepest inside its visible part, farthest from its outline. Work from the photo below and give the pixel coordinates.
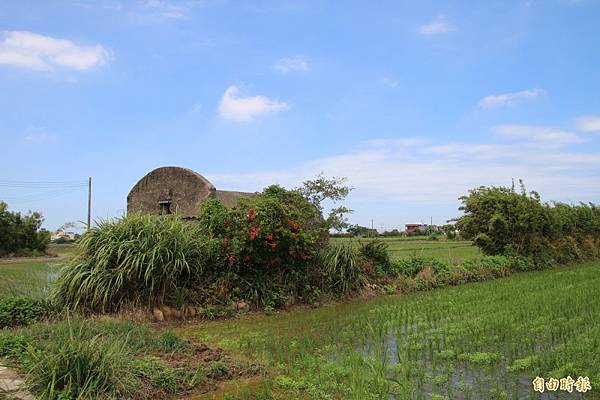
(23, 277)
(486, 340)
(452, 251)
(32, 279)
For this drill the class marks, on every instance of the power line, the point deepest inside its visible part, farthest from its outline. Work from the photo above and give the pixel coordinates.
(41, 185)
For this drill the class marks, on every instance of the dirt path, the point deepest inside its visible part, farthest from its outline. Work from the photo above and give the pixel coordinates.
(11, 386)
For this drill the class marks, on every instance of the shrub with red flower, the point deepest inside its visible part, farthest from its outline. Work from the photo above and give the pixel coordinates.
(269, 266)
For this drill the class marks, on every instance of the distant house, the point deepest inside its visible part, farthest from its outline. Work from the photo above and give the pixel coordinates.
(416, 227)
(169, 190)
(62, 234)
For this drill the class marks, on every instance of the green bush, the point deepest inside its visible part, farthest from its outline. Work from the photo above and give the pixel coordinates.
(139, 259)
(15, 311)
(376, 251)
(410, 267)
(269, 241)
(344, 269)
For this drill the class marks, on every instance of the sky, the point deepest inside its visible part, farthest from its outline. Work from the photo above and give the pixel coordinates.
(414, 102)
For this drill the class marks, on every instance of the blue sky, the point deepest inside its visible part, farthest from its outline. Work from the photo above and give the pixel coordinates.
(414, 102)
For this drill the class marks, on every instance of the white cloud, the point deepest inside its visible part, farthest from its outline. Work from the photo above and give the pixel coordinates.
(416, 172)
(237, 108)
(436, 27)
(31, 50)
(589, 123)
(292, 64)
(509, 99)
(546, 135)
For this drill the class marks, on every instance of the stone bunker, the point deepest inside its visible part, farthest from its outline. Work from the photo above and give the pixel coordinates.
(170, 190)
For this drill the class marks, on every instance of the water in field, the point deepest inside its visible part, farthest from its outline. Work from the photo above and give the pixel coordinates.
(32, 279)
(478, 341)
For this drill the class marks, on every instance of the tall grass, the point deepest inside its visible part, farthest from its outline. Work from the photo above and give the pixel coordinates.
(73, 365)
(140, 259)
(344, 268)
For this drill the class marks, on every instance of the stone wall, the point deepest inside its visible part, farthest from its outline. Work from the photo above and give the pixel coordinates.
(170, 189)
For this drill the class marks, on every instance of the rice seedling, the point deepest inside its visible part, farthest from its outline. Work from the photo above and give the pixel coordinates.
(479, 341)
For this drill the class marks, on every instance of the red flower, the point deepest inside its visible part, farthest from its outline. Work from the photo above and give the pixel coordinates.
(254, 232)
(296, 235)
(231, 258)
(251, 214)
(269, 237)
(273, 246)
(247, 258)
(296, 227)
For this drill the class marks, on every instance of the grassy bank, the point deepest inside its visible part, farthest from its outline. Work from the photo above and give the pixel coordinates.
(476, 341)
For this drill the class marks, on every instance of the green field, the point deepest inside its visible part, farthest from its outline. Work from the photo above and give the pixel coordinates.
(478, 341)
(31, 279)
(452, 251)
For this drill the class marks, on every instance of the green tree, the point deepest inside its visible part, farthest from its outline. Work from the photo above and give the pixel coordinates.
(20, 234)
(333, 190)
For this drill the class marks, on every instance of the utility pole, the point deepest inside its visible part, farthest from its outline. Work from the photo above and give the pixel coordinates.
(89, 218)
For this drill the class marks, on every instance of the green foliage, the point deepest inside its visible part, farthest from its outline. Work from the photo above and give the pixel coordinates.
(215, 311)
(171, 343)
(72, 365)
(479, 358)
(12, 345)
(344, 268)
(501, 220)
(22, 234)
(100, 358)
(269, 243)
(376, 252)
(334, 189)
(523, 364)
(15, 311)
(139, 259)
(153, 370)
(217, 369)
(362, 231)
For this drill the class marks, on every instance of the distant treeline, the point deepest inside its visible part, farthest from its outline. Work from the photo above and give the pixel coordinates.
(21, 234)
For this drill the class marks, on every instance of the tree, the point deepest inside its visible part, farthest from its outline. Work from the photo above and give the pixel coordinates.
(335, 190)
(357, 230)
(21, 233)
